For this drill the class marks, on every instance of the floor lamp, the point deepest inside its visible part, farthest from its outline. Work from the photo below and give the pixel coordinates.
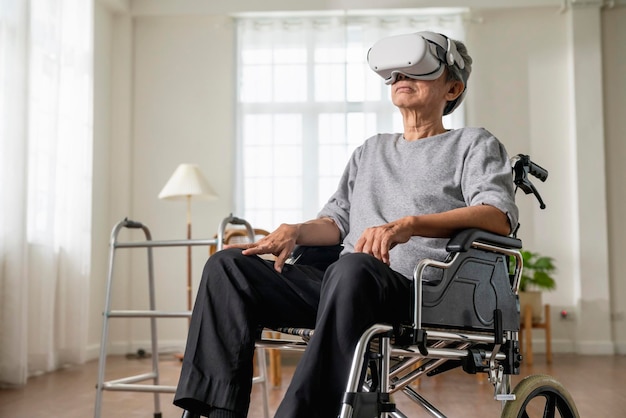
(186, 182)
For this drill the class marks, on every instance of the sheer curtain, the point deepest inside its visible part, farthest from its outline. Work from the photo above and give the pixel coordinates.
(307, 99)
(45, 184)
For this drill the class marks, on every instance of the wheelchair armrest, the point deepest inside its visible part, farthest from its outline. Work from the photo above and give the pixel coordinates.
(476, 284)
(462, 241)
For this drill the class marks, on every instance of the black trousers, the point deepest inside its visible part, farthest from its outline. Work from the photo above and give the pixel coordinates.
(240, 294)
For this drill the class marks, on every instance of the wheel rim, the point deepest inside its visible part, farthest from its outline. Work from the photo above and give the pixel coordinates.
(554, 402)
(540, 396)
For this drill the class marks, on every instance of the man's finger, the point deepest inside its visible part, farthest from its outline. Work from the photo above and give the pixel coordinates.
(253, 249)
(243, 246)
(279, 262)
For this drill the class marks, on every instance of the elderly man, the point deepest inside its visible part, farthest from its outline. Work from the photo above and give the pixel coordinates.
(400, 197)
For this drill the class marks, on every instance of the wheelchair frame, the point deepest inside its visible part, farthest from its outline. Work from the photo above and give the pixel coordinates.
(399, 355)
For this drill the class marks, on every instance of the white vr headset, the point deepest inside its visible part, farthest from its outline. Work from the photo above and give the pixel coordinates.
(420, 55)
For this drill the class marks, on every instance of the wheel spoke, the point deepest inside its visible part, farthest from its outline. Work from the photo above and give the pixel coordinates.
(564, 408)
(550, 408)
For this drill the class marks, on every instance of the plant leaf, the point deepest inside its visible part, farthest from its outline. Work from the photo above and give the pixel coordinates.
(543, 280)
(544, 263)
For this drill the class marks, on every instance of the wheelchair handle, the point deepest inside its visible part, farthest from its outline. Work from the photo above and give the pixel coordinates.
(522, 167)
(537, 171)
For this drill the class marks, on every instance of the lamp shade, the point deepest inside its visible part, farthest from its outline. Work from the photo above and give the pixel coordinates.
(187, 181)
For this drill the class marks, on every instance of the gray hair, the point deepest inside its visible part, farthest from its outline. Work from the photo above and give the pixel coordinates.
(457, 74)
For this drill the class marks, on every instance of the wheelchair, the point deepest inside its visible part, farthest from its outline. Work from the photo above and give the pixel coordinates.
(469, 319)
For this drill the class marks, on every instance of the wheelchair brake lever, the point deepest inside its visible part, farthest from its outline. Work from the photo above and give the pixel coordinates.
(534, 191)
(521, 168)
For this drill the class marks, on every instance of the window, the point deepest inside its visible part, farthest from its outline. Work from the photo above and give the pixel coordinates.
(306, 100)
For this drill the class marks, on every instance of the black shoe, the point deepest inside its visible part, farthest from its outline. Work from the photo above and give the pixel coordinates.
(188, 414)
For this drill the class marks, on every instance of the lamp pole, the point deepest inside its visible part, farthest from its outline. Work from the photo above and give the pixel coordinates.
(186, 182)
(189, 281)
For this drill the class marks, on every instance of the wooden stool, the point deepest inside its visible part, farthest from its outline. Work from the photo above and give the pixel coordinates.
(275, 375)
(526, 328)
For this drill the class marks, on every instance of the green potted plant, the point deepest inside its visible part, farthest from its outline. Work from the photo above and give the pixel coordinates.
(536, 277)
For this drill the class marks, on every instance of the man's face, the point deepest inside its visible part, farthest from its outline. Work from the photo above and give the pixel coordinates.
(424, 94)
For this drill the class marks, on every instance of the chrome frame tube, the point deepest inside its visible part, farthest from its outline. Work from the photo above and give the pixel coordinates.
(282, 344)
(153, 324)
(385, 350)
(105, 321)
(167, 243)
(232, 220)
(403, 381)
(357, 363)
(148, 314)
(420, 400)
(262, 379)
(417, 285)
(443, 353)
(122, 387)
(461, 336)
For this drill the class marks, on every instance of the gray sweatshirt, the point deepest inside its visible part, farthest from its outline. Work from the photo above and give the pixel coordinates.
(388, 178)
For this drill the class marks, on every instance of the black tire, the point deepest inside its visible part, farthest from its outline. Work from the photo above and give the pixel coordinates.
(557, 400)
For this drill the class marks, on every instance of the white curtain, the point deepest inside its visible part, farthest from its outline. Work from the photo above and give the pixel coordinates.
(45, 184)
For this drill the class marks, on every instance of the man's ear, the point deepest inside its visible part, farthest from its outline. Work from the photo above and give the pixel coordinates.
(455, 90)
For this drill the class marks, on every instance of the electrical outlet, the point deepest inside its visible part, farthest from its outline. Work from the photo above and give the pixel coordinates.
(566, 315)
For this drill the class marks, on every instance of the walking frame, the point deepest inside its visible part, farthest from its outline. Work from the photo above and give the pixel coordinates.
(137, 383)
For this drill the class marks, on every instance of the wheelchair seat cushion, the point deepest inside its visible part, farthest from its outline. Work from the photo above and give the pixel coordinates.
(305, 333)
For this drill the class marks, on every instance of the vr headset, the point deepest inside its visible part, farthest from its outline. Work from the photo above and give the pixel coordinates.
(420, 55)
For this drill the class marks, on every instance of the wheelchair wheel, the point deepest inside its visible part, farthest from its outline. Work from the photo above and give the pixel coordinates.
(540, 396)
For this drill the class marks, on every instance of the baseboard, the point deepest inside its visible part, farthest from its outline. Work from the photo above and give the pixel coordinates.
(558, 346)
(620, 347)
(584, 348)
(595, 347)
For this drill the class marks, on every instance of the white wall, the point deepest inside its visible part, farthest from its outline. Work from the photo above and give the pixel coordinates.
(519, 91)
(171, 100)
(183, 112)
(614, 53)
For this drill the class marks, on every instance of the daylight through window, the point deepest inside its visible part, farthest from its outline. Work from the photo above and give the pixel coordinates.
(306, 100)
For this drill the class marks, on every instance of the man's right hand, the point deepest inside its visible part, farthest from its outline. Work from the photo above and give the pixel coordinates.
(280, 243)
